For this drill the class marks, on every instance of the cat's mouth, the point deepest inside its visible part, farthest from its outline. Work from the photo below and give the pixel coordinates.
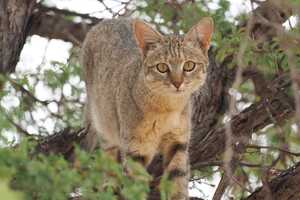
(178, 91)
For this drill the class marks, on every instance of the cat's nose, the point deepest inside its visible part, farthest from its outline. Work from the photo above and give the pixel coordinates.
(176, 79)
(177, 84)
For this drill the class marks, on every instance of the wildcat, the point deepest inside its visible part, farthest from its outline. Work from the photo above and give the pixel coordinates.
(139, 83)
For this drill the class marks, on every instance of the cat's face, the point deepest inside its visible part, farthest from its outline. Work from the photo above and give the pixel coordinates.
(174, 65)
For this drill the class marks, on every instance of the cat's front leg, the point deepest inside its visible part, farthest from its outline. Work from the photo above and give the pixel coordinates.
(142, 150)
(176, 164)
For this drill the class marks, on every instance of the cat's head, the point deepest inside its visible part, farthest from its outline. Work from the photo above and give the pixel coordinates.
(173, 64)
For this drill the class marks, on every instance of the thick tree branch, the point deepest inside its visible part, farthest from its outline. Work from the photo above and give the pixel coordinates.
(53, 23)
(55, 11)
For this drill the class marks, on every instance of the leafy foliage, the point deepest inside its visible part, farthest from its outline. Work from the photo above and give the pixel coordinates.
(94, 176)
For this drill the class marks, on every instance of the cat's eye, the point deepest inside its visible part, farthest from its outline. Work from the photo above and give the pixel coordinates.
(189, 66)
(162, 67)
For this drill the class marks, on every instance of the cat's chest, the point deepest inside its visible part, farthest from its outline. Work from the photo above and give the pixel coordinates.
(157, 124)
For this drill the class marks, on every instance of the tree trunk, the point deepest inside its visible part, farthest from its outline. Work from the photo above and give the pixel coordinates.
(15, 18)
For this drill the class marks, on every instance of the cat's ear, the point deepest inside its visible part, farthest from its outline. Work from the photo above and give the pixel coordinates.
(200, 34)
(145, 35)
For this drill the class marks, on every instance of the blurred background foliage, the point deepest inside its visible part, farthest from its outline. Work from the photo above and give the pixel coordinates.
(24, 112)
(52, 177)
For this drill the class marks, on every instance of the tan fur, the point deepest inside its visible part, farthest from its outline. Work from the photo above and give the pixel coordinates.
(131, 107)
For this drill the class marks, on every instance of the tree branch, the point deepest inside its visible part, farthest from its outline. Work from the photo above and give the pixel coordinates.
(244, 124)
(55, 11)
(283, 187)
(52, 23)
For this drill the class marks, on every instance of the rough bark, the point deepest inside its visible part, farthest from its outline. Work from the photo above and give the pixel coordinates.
(15, 18)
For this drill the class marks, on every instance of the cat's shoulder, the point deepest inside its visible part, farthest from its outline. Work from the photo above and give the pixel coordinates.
(115, 32)
(108, 27)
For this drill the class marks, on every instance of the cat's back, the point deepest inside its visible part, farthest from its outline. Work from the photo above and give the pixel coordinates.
(110, 58)
(115, 36)
(108, 47)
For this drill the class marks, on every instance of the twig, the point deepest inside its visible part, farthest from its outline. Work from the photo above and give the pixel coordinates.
(273, 148)
(245, 164)
(221, 188)
(107, 7)
(19, 127)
